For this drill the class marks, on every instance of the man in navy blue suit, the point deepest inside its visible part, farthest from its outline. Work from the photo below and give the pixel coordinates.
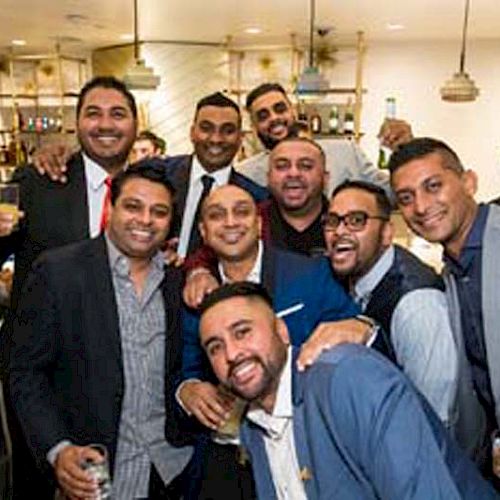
(351, 426)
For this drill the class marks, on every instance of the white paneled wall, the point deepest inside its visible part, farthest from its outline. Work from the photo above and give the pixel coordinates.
(413, 72)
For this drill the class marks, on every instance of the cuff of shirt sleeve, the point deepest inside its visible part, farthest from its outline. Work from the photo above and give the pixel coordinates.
(54, 451)
(374, 328)
(178, 392)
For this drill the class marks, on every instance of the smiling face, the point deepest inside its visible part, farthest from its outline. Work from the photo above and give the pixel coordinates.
(436, 202)
(230, 224)
(140, 218)
(354, 252)
(246, 346)
(297, 176)
(106, 127)
(216, 136)
(272, 116)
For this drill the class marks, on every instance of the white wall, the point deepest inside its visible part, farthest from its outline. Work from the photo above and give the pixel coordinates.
(413, 72)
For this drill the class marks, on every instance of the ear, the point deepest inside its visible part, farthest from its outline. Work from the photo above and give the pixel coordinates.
(469, 178)
(387, 233)
(203, 231)
(326, 182)
(191, 131)
(282, 331)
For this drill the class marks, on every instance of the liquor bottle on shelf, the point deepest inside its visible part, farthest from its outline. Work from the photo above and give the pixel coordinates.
(301, 113)
(315, 122)
(349, 118)
(333, 121)
(384, 152)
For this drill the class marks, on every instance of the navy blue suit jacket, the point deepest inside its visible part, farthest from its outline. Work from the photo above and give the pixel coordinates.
(178, 170)
(362, 432)
(302, 288)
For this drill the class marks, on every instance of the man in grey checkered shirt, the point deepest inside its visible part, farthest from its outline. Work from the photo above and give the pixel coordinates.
(96, 351)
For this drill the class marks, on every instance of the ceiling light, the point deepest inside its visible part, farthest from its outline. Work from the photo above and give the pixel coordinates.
(311, 80)
(18, 43)
(254, 30)
(140, 77)
(395, 26)
(461, 88)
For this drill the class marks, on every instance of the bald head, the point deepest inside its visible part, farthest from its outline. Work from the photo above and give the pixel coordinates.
(230, 223)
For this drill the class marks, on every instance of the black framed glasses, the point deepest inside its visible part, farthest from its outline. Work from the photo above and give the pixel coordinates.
(354, 221)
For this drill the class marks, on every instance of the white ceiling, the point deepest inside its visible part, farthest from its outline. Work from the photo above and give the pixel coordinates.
(86, 24)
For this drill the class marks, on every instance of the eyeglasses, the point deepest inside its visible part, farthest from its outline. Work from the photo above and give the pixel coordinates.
(354, 221)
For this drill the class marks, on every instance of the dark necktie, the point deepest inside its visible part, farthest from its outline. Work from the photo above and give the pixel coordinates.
(195, 237)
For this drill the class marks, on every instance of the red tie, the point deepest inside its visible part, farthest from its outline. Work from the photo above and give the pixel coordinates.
(105, 206)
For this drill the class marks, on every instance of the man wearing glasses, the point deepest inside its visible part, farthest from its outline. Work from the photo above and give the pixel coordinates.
(391, 285)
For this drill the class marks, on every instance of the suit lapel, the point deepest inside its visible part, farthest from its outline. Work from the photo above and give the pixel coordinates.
(76, 199)
(491, 300)
(102, 301)
(180, 181)
(299, 431)
(268, 272)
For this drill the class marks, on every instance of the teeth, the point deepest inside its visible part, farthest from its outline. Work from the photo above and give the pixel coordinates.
(231, 237)
(141, 234)
(242, 369)
(215, 150)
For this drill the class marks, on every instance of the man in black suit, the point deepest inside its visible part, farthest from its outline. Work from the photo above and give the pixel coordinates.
(59, 213)
(96, 350)
(216, 136)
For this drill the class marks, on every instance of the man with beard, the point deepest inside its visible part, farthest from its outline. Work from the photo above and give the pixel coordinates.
(307, 297)
(96, 350)
(273, 118)
(405, 296)
(435, 194)
(60, 213)
(350, 427)
(216, 136)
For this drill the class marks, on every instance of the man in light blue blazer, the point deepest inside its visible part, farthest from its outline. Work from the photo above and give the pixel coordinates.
(350, 427)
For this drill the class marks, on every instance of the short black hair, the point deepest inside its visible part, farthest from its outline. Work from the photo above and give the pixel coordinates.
(236, 289)
(158, 142)
(151, 169)
(219, 100)
(424, 146)
(106, 82)
(262, 89)
(384, 205)
(306, 140)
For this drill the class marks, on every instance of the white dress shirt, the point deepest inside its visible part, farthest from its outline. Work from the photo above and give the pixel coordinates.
(279, 440)
(95, 177)
(421, 335)
(221, 178)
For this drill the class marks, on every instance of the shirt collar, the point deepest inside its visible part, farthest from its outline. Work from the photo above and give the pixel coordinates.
(473, 242)
(94, 173)
(367, 283)
(274, 424)
(119, 262)
(254, 276)
(220, 176)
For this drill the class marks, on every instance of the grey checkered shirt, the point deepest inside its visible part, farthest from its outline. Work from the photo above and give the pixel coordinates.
(141, 436)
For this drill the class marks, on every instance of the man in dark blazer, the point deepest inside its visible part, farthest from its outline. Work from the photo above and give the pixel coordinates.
(216, 135)
(76, 369)
(59, 213)
(351, 426)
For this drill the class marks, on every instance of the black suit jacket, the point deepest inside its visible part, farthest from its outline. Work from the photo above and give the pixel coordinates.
(66, 370)
(178, 169)
(55, 214)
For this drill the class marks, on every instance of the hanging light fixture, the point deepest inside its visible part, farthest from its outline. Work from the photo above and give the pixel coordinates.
(311, 80)
(139, 76)
(461, 88)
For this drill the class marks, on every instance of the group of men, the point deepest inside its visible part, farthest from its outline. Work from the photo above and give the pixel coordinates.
(107, 344)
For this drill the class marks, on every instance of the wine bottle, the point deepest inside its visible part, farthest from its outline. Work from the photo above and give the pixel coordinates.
(384, 152)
